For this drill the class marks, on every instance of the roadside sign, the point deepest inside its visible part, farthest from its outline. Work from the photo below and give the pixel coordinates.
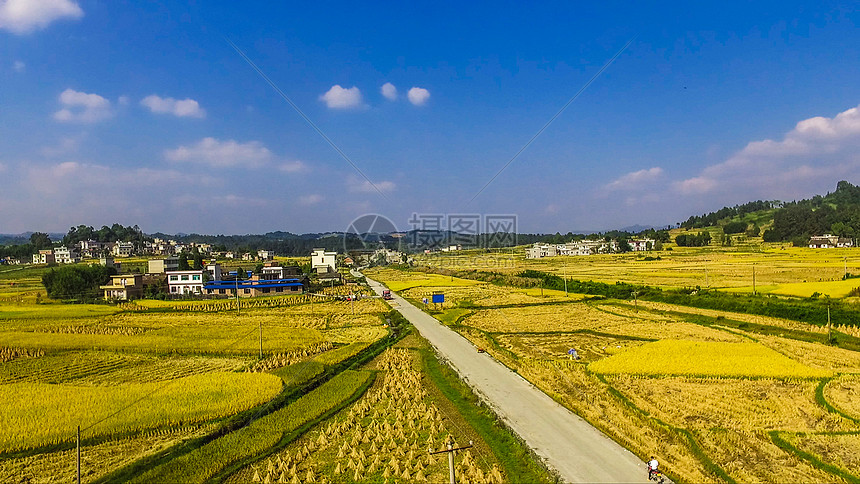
(438, 298)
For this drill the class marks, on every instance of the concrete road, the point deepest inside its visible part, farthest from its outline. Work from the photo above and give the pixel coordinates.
(569, 444)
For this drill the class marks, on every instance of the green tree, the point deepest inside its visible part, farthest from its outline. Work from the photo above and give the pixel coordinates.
(40, 240)
(183, 261)
(80, 283)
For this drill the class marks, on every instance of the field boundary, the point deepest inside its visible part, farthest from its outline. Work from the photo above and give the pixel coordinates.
(812, 459)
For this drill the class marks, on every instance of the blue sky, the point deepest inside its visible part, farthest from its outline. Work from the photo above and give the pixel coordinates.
(142, 113)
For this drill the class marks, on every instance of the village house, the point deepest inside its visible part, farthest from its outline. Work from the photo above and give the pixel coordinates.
(44, 256)
(828, 241)
(160, 266)
(322, 261)
(124, 287)
(123, 249)
(180, 283)
(65, 255)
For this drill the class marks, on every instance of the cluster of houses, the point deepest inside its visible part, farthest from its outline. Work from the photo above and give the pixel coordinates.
(585, 247)
(212, 281)
(91, 249)
(828, 241)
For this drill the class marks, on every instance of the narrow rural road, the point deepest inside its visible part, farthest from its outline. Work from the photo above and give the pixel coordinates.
(569, 444)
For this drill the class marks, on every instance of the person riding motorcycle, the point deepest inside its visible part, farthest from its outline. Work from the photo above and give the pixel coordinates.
(652, 467)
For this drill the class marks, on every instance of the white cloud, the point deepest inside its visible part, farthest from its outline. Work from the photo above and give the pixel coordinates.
(82, 107)
(19, 66)
(635, 179)
(24, 16)
(217, 153)
(293, 167)
(389, 91)
(65, 146)
(418, 96)
(340, 98)
(180, 108)
(122, 100)
(816, 152)
(365, 186)
(311, 199)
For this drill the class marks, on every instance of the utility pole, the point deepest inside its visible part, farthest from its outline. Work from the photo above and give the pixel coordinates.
(79, 455)
(845, 259)
(452, 478)
(754, 293)
(237, 293)
(564, 275)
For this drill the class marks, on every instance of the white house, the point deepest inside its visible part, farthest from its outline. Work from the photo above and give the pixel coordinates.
(642, 244)
(322, 261)
(265, 254)
(185, 282)
(123, 249)
(45, 256)
(64, 255)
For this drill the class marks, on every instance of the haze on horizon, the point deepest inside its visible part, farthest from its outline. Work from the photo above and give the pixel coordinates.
(145, 114)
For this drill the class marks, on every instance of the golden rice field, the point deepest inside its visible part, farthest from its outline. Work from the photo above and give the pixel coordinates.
(739, 404)
(384, 436)
(705, 358)
(843, 450)
(484, 295)
(141, 377)
(751, 456)
(843, 393)
(723, 386)
(554, 318)
(714, 266)
(96, 460)
(37, 414)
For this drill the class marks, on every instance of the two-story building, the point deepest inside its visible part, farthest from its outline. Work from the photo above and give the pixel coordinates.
(123, 249)
(124, 287)
(180, 283)
(44, 256)
(65, 255)
(322, 261)
(160, 266)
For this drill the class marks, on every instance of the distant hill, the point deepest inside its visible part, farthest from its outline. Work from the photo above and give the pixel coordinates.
(836, 213)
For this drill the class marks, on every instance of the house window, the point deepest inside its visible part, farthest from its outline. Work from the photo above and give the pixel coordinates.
(280, 289)
(184, 277)
(222, 291)
(173, 289)
(195, 278)
(265, 290)
(174, 278)
(247, 291)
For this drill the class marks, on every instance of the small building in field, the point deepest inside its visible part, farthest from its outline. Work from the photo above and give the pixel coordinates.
(124, 287)
(181, 283)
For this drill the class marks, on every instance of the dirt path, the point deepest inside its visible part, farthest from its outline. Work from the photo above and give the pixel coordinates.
(569, 444)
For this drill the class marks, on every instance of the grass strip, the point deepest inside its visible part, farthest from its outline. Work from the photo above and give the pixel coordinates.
(517, 460)
(811, 458)
(821, 400)
(260, 435)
